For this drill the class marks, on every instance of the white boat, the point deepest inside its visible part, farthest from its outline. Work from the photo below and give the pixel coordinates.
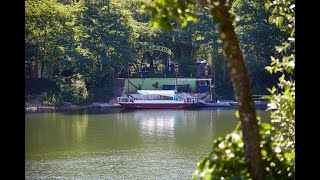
(151, 99)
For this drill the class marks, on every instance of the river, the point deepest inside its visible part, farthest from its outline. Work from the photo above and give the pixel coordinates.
(117, 143)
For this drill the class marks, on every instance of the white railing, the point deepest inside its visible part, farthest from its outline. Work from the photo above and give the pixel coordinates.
(150, 100)
(191, 100)
(122, 99)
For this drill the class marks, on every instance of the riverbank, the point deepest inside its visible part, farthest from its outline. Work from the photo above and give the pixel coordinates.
(34, 103)
(68, 106)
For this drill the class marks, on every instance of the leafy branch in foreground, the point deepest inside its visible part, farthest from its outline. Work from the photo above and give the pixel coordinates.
(227, 160)
(282, 104)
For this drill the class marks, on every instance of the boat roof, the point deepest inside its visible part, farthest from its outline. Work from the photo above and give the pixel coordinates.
(169, 93)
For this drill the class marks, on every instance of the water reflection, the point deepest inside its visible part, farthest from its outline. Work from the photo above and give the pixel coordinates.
(53, 131)
(127, 144)
(157, 122)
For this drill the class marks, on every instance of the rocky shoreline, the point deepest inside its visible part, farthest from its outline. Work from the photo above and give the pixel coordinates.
(67, 106)
(34, 104)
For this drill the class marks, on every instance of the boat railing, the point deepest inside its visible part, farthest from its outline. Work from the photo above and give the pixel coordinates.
(122, 99)
(148, 97)
(153, 98)
(191, 100)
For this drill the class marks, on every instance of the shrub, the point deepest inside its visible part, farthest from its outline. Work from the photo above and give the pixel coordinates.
(72, 89)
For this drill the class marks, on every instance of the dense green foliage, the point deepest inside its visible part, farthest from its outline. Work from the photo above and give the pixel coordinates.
(73, 42)
(258, 38)
(227, 158)
(96, 39)
(282, 104)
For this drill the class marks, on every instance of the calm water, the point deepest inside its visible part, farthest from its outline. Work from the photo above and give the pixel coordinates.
(122, 144)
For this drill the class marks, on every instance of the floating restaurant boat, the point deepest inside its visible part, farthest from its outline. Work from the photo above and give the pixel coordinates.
(157, 99)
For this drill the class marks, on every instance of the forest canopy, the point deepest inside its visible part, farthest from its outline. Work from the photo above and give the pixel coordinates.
(75, 50)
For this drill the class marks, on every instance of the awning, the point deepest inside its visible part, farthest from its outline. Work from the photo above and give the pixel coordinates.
(169, 93)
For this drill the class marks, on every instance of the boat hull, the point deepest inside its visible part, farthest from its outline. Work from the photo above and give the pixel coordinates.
(214, 105)
(155, 106)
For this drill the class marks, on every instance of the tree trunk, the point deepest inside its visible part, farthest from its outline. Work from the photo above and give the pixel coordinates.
(38, 70)
(241, 85)
(42, 69)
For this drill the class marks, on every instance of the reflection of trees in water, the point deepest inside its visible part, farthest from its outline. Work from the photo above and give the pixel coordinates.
(185, 127)
(195, 129)
(52, 131)
(224, 122)
(80, 125)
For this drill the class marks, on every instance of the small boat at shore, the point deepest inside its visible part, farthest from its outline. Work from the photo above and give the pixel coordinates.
(157, 99)
(263, 103)
(202, 103)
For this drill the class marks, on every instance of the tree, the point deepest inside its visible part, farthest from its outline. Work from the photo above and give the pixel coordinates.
(87, 41)
(278, 138)
(165, 11)
(278, 144)
(106, 45)
(49, 34)
(257, 38)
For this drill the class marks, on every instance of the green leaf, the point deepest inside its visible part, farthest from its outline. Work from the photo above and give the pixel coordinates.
(237, 114)
(184, 22)
(258, 118)
(266, 126)
(263, 152)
